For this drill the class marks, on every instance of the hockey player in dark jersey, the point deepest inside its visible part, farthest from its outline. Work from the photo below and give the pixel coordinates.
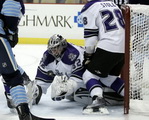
(30, 88)
(10, 15)
(26, 81)
(11, 12)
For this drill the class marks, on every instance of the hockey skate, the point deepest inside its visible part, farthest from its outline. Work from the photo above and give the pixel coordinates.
(9, 100)
(97, 107)
(23, 112)
(26, 81)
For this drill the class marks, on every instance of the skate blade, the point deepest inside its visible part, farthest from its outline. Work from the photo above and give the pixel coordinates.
(99, 111)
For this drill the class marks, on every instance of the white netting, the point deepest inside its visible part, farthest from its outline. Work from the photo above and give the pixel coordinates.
(139, 58)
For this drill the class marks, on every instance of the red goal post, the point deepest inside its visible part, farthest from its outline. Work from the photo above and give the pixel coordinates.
(136, 69)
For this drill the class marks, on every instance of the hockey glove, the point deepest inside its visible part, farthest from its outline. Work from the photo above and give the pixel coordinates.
(87, 58)
(13, 39)
(58, 88)
(12, 36)
(62, 87)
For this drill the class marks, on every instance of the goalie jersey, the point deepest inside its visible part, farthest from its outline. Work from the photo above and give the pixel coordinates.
(70, 64)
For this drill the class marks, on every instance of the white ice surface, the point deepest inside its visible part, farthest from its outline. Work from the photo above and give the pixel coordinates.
(28, 56)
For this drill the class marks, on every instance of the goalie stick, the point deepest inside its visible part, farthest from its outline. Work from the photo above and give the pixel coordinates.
(34, 117)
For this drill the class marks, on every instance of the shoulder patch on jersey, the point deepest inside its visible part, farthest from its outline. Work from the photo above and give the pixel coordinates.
(70, 55)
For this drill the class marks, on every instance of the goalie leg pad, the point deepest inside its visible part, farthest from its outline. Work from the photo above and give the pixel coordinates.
(111, 97)
(34, 93)
(37, 95)
(70, 97)
(82, 96)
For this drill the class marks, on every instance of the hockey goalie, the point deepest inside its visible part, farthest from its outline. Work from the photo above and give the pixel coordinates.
(61, 67)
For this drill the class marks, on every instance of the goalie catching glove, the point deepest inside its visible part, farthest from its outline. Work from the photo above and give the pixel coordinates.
(62, 87)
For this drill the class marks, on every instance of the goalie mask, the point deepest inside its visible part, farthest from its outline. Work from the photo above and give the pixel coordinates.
(56, 45)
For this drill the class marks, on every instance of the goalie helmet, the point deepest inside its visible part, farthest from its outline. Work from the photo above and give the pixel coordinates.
(56, 45)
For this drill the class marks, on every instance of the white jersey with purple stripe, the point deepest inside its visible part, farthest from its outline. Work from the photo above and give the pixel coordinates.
(103, 26)
(69, 64)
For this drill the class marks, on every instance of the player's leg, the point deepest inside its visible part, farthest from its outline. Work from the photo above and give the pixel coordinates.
(91, 78)
(115, 83)
(10, 103)
(99, 67)
(94, 86)
(29, 87)
(43, 80)
(113, 80)
(13, 78)
(82, 95)
(111, 98)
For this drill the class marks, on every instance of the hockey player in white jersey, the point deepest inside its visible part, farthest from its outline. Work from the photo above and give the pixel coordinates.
(104, 35)
(61, 68)
(60, 65)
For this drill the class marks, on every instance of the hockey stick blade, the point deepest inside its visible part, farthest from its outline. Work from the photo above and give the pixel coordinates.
(40, 118)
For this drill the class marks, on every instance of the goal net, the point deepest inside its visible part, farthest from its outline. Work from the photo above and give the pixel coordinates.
(136, 68)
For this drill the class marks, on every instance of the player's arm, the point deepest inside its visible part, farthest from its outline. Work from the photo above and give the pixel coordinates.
(12, 12)
(44, 75)
(63, 86)
(90, 35)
